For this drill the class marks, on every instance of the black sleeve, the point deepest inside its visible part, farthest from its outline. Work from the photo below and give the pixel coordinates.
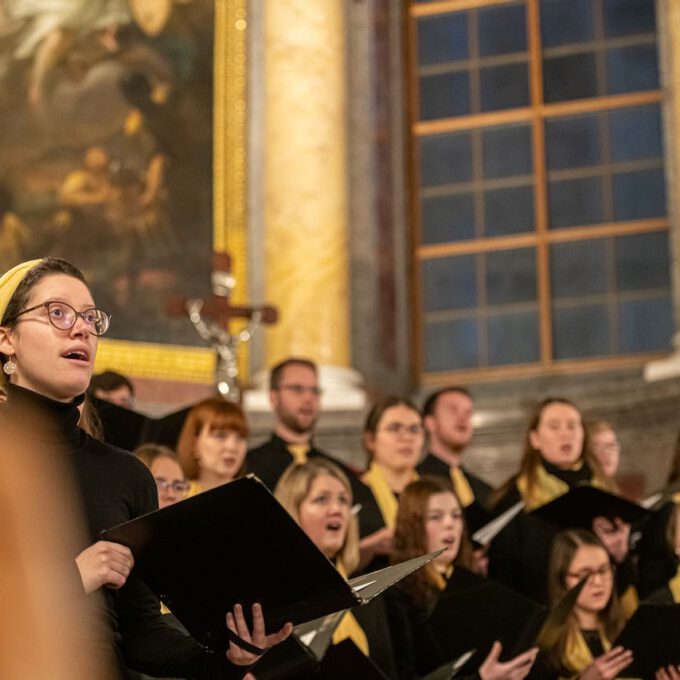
(149, 644)
(416, 650)
(152, 646)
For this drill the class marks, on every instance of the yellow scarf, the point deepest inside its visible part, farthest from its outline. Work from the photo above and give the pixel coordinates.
(674, 585)
(629, 602)
(349, 627)
(440, 580)
(299, 452)
(194, 488)
(461, 486)
(384, 496)
(546, 488)
(676, 498)
(577, 655)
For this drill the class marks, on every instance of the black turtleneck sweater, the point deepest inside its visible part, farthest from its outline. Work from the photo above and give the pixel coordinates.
(115, 487)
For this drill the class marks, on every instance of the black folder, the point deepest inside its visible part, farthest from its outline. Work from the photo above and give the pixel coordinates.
(127, 429)
(236, 544)
(653, 635)
(582, 504)
(473, 612)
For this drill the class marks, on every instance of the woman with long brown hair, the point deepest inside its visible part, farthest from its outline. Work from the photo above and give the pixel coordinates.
(556, 457)
(584, 645)
(430, 517)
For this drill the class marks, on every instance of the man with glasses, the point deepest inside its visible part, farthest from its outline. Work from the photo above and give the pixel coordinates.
(295, 397)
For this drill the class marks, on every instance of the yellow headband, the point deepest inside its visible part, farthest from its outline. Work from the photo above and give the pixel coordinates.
(10, 281)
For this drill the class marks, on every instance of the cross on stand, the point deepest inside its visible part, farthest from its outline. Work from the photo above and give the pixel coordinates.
(211, 319)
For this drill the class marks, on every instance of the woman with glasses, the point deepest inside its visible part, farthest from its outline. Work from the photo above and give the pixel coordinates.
(49, 330)
(583, 646)
(171, 483)
(212, 444)
(393, 438)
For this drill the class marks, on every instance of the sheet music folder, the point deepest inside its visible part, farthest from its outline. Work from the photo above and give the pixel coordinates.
(237, 544)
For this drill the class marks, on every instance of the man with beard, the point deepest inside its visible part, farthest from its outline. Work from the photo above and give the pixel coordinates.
(447, 417)
(296, 400)
(295, 396)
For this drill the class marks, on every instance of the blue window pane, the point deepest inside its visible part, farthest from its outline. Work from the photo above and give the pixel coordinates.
(509, 211)
(507, 151)
(570, 77)
(566, 21)
(502, 30)
(575, 202)
(504, 87)
(626, 17)
(449, 283)
(631, 69)
(578, 269)
(646, 325)
(442, 39)
(513, 338)
(581, 332)
(511, 276)
(446, 159)
(635, 133)
(444, 96)
(642, 261)
(572, 142)
(640, 194)
(448, 218)
(451, 345)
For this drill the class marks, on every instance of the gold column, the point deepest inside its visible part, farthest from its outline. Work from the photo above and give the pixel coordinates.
(306, 180)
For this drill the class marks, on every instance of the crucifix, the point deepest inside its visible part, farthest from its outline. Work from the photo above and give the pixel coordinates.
(211, 320)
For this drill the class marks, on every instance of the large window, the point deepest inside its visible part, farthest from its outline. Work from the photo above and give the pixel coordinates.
(538, 184)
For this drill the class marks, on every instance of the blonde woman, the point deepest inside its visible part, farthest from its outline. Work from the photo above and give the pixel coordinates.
(318, 496)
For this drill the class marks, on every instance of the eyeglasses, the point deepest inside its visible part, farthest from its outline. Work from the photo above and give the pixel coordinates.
(299, 390)
(605, 571)
(607, 448)
(64, 317)
(398, 428)
(178, 487)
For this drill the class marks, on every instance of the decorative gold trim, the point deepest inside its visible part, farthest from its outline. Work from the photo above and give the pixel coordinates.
(196, 364)
(149, 360)
(230, 147)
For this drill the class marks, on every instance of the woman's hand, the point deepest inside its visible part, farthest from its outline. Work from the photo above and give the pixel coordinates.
(104, 564)
(609, 665)
(515, 669)
(236, 623)
(668, 673)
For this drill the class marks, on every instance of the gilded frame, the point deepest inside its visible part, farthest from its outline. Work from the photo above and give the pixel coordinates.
(195, 364)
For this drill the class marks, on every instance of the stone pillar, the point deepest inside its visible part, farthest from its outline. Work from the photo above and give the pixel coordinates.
(668, 27)
(306, 185)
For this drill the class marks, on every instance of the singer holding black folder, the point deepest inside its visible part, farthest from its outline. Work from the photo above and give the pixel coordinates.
(49, 331)
(430, 517)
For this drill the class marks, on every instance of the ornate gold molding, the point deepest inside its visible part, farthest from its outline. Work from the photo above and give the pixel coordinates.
(194, 364)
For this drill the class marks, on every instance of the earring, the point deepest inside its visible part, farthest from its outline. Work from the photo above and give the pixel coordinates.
(10, 366)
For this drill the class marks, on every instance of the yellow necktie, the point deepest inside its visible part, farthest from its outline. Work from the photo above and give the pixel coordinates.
(299, 453)
(461, 486)
(349, 627)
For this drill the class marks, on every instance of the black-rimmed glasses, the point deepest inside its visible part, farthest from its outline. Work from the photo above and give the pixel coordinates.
(179, 487)
(64, 317)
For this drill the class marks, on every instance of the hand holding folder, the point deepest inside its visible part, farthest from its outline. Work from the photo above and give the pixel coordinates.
(235, 545)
